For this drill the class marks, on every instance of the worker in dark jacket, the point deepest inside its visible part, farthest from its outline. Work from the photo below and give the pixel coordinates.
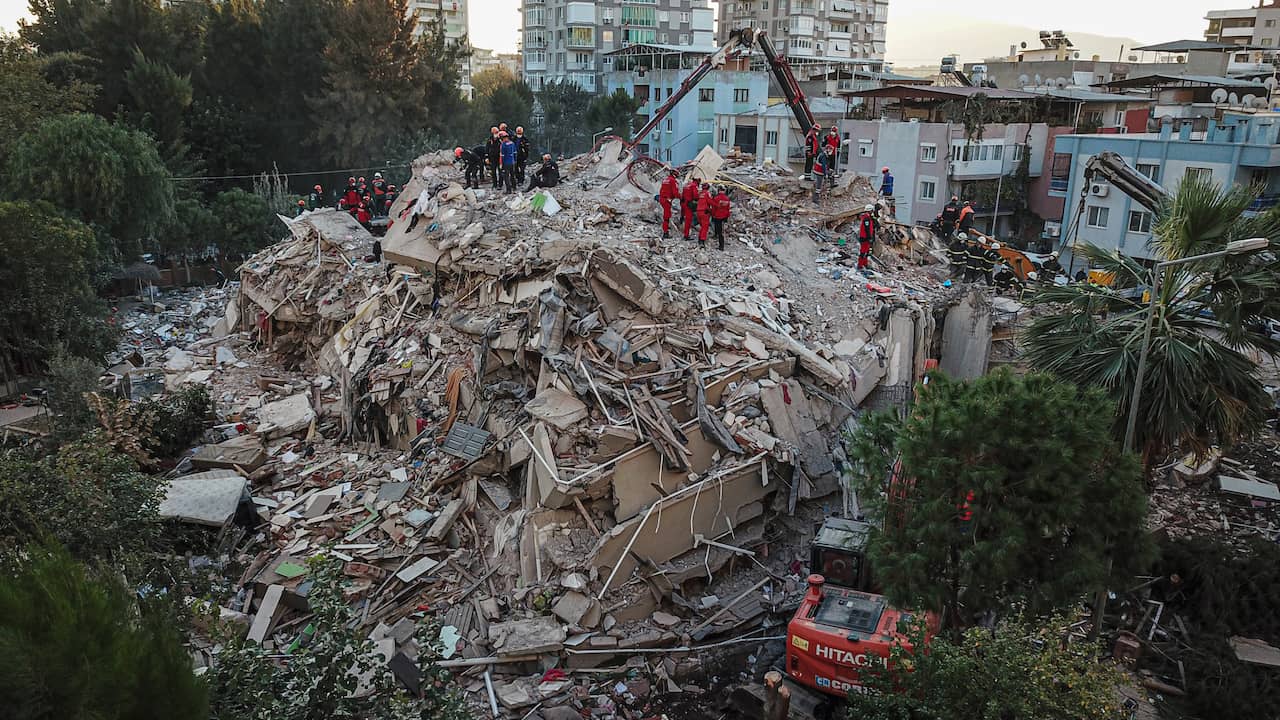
(990, 258)
(668, 193)
(950, 216)
(1051, 268)
(720, 208)
(866, 235)
(522, 154)
(974, 255)
(473, 161)
(547, 176)
(956, 257)
(493, 154)
(302, 207)
(316, 199)
(689, 203)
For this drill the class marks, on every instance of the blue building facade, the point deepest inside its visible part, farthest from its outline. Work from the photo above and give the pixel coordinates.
(1239, 149)
(691, 124)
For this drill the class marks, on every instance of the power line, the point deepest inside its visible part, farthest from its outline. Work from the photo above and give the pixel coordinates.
(289, 174)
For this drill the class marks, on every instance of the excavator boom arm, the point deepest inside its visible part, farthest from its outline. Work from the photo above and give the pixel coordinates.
(1112, 168)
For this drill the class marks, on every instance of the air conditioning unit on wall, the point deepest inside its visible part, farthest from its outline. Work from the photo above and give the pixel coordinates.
(1099, 189)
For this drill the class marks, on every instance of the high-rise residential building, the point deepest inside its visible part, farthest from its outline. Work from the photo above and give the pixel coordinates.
(815, 34)
(568, 41)
(453, 15)
(1256, 30)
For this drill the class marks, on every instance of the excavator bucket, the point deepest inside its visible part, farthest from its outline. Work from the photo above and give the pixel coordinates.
(1019, 263)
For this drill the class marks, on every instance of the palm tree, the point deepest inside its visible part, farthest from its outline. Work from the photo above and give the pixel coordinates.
(1199, 389)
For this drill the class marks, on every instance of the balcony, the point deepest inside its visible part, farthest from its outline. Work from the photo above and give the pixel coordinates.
(581, 66)
(804, 8)
(580, 43)
(531, 65)
(535, 20)
(580, 13)
(842, 10)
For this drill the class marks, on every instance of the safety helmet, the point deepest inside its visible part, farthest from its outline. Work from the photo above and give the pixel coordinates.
(316, 188)
(377, 176)
(1054, 254)
(361, 178)
(351, 179)
(884, 169)
(672, 172)
(457, 152)
(995, 246)
(954, 198)
(493, 130)
(502, 126)
(1032, 275)
(391, 187)
(968, 203)
(302, 203)
(869, 208)
(519, 130)
(502, 133)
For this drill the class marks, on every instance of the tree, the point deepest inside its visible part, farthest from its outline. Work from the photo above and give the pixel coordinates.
(319, 680)
(1018, 670)
(46, 299)
(86, 497)
(160, 98)
(380, 81)
(245, 222)
(111, 177)
(616, 111)
(995, 514)
(30, 95)
(510, 104)
(488, 80)
(1198, 389)
(75, 645)
(564, 106)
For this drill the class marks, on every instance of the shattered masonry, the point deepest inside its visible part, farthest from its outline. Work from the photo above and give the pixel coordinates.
(571, 444)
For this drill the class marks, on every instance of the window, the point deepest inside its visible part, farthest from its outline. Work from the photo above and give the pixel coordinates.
(664, 17)
(1151, 170)
(928, 191)
(1018, 151)
(1098, 216)
(997, 152)
(741, 95)
(607, 37)
(984, 151)
(639, 36)
(928, 153)
(1266, 42)
(706, 94)
(771, 138)
(669, 125)
(724, 136)
(1269, 23)
(764, 5)
(684, 39)
(606, 14)
(1199, 172)
(639, 16)
(1139, 222)
(684, 18)
(866, 148)
(1119, 119)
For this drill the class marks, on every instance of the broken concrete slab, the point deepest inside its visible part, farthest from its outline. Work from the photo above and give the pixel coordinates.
(527, 637)
(558, 408)
(1257, 489)
(245, 452)
(268, 611)
(513, 695)
(439, 529)
(578, 609)
(205, 498)
(1255, 652)
(792, 419)
(286, 417)
(628, 281)
(966, 338)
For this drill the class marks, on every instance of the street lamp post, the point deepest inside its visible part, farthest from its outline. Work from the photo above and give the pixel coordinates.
(1236, 247)
(602, 132)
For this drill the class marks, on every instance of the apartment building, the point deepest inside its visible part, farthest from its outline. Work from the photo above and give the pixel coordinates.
(815, 34)
(453, 15)
(1240, 149)
(1255, 30)
(771, 132)
(570, 40)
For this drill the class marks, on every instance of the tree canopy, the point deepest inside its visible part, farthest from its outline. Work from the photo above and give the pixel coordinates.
(998, 511)
(616, 111)
(109, 176)
(1199, 389)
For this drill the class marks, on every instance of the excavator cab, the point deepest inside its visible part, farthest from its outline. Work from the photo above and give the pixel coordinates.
(838, 553)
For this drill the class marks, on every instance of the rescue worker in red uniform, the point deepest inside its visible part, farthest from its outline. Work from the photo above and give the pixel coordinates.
(689, 205)
(363, 216)
(668, 193)
(720, 214)
(866, 235)
(811, 145)
(350, 197)
(704, 213)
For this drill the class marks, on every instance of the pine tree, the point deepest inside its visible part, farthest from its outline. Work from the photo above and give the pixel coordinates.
(1016, 492)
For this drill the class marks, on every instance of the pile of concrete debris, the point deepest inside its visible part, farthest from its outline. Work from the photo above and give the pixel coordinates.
(570, 447)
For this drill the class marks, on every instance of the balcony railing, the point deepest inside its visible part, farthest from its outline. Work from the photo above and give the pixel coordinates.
(1265, 202)
(589, 44)
(1059, 184)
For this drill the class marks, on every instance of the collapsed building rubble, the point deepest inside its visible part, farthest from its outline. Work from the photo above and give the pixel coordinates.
(571, 447)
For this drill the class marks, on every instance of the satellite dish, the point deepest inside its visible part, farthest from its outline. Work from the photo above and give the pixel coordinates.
(1023, 80)
(1024, 44)
(1233, 99)
(1248, 100)
(1038, 80)
(1260, 103)
(1061, 83)
(1219, 96)
(1077, 55)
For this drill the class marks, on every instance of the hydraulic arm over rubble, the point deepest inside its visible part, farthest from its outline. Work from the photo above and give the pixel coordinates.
(1110, 167)
(740, 41)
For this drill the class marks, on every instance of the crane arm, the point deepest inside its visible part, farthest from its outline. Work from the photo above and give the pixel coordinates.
(1111, 167)
(739, 39)
(786, 80)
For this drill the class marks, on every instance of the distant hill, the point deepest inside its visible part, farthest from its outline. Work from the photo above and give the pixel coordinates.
(924, 40)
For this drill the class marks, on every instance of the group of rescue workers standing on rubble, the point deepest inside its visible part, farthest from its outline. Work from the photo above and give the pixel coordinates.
(363, 200)
(503, 159)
